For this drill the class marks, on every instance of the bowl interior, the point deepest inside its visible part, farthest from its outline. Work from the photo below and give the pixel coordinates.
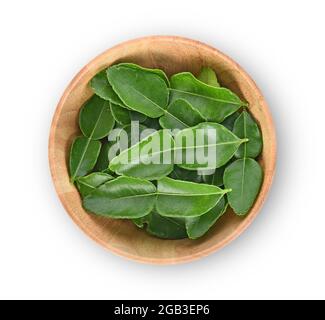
(172, 54)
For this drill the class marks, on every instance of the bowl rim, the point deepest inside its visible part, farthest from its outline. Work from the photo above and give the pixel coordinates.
(248, 219)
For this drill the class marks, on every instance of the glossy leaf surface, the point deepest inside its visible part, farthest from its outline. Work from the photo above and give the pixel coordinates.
(180, 115)
(244, 177)
(83, 156)
(123, 197)
(88, 184)
(246, 127)
(186, 199)
(158, 72)
(142, 91)
(101, 87)
(199, 226)
(95, 119)
(214, 104)
(207, 145)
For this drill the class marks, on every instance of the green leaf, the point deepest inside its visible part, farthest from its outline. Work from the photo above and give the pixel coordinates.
(208, 76)
(135, 134)
(142, 91)
(244, 177)
(83, 156)
(123, 197)
(152, 123)
(199, 226)
(88, 184)
(214, 104)
(230, 121)
(145, 159)
(185, 175)
(246, 127)
(158, 72)
(124, 116)
(216, 178)
(95, 119)
(180, 115)
(186, 199)
(102, 161)
(164, 227)
(205, 146)
(137, 116)
(101, 87)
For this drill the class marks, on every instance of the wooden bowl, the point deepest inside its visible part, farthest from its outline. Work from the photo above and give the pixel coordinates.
(172, 54)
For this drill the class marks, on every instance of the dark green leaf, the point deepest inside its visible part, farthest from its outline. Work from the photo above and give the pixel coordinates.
(123, 197)
(206, 146)
(96, 120)
(198, 226)
(185, 175)
(142, 91)
(244, 177)
(83, 156)
(165, 227)
(103, 89)
(102, 161)
(137, 116)
(180, 115)
(246, 127)
(124, 116)
(214, 104)
(152, 123)
(186, 199)
(208, 76)
(145, 159)
(230, 121)
(215, 178)
(88, 184)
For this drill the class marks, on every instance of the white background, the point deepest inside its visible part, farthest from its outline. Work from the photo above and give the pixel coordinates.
(43, 44)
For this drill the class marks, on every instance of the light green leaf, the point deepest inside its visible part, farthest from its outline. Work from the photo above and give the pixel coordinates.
(205, 146)
(88, 184)
(199, 226)
(186, 199)
(208, 76)
(180, 115)
(158, 72)
(95, 119)
(123, 197)
(145, 159)
(244, 177)
(142, 91)
(214, 104)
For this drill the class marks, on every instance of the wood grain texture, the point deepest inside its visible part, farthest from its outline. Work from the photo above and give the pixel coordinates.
(172, 54)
